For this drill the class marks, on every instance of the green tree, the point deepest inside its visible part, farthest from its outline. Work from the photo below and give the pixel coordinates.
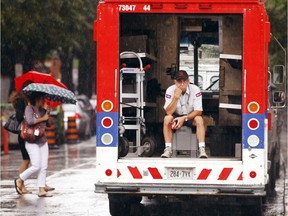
(277, 11)
(32, 28)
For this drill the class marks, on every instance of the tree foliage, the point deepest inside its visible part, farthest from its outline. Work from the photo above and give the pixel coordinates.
(277, 11)
(32, 28)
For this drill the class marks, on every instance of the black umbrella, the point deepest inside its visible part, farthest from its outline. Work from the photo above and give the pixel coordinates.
(52, 92)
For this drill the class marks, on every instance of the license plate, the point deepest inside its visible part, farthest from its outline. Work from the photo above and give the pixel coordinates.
(180, 173)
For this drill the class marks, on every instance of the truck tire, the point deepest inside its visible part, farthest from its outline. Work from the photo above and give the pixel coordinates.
(118, 205)
(136, 199)
(253, 208)
(149, 144)
(123, 146)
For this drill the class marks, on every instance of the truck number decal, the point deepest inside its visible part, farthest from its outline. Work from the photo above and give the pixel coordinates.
(146, 8)
(127, 7)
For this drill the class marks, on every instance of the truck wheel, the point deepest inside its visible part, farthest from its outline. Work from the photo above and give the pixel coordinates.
(119, 208)
(118, 205)
(123, 146)
(272, 177)
(253, 208)
(136, 199)
(149, 145)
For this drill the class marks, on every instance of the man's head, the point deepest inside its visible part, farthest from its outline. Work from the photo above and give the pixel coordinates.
(181, 75)
(182, 80)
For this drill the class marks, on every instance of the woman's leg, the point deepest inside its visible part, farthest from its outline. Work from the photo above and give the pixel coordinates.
(26, 160)
(41, 180)
(25, 156)
(34, 154)
(24, 165)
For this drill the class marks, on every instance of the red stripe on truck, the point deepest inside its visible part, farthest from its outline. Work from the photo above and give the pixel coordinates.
(155, 173)
(204, 174)
(225, 173)
(135, 172)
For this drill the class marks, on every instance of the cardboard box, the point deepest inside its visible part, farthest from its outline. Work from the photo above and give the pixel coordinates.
(138, 44)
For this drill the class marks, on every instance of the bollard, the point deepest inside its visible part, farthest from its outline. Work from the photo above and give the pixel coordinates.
(5, 140)
(72, 132)
(51, 136)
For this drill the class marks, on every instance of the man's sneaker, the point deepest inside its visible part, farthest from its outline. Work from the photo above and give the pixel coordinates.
(202, 153)
(167, 153)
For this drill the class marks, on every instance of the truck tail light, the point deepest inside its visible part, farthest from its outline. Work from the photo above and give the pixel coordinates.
(107, 105)
(252, 174)
(253, 140)
(205, 6)
(107, 139)
(107, 122)
(181, 6)
(253, 124)
(253, 107)
(156, 6)
(108, 172)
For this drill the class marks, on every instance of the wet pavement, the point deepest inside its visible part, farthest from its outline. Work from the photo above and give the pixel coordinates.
(71, 171)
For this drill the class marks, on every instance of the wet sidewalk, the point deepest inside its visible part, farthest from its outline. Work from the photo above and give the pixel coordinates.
(286, 193)
(286, 185)
(71, 171)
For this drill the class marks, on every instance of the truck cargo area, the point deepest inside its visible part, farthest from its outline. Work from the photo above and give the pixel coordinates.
(209, 48)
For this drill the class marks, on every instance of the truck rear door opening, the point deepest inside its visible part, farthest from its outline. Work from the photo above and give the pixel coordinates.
(209, 50)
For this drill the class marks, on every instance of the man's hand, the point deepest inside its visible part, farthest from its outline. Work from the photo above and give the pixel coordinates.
(170, 109)
(178, 122)
(177, 92)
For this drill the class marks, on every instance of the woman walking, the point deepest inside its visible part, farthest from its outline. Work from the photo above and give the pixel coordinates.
(19, 102)
(38, 150)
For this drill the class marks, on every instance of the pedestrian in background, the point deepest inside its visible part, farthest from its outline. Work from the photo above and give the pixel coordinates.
(19, 102)
(38, 150)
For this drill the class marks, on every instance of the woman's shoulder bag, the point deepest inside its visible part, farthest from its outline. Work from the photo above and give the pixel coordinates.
(30, 133)
(13, 125)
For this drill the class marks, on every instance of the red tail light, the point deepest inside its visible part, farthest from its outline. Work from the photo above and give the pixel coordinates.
(77, 116)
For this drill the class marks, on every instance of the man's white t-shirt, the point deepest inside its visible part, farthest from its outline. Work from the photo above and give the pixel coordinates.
(190, 101)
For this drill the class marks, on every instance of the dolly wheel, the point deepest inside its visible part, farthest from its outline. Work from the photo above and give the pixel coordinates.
(149, 145)
(123, 146)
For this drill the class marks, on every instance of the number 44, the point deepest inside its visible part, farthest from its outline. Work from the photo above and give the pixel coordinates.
(146, 8)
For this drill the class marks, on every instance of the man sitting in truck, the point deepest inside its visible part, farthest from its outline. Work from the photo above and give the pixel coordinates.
(183, 106)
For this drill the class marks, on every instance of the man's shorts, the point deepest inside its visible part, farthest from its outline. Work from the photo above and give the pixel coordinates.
(188, 123)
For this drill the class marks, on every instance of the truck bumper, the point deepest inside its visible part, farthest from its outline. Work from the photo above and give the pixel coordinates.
(157, 189)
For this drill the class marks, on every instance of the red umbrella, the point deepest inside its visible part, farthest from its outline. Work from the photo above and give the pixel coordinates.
(37, 77)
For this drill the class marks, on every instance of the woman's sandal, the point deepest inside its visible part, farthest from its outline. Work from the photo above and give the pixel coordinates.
(44, 195)
(47, 188)
(25, 191)
(17, 188)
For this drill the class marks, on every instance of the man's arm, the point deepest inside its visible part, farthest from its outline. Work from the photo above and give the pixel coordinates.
(181, 119)
(193, 114)
(172, 106)
(170, 109)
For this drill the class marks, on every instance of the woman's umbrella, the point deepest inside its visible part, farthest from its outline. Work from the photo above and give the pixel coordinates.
(52, 92)
(37, 77)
